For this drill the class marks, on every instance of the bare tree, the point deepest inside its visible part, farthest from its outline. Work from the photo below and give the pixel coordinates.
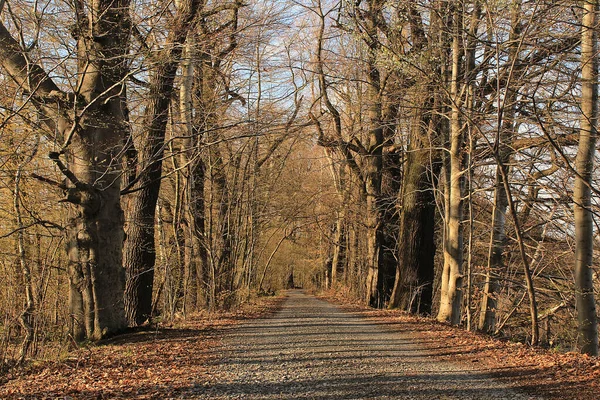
(92, 124)
(140, 254)
(584, 164)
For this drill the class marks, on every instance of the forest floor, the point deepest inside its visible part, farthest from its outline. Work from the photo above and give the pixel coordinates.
(158, 363)
(308, 349)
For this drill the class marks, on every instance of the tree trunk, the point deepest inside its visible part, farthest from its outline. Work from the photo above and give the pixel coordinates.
(93, 141)
(413, 287)
(94, 148)
(587, 338)
(339, 257)
(452, 276)
(27, 316)
(196, 175)
(140, 253)
(373, 165)
(338, 260)
(504, 151)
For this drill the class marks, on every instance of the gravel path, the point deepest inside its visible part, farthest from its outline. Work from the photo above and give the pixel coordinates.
(311, 349)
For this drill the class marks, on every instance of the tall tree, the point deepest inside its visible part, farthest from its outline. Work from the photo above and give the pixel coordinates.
(140, 253)
(93, 131)
(584, 163)
(413, 287)
(504, 150)
(369, 20)
(452, 274)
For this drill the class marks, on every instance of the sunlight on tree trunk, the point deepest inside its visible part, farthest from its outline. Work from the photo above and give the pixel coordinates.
(584, 236)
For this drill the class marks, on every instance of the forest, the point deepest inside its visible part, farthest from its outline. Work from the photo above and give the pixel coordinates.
(165, 158)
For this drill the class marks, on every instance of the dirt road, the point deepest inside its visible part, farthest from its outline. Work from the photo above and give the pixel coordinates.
(311, 349)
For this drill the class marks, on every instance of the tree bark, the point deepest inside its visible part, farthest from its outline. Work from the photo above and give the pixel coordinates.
(373, 162)
(196, 175)
(452, 276)
(413, 287)
(587, 338)
(140, 252)
(93, 141)
(339, 257)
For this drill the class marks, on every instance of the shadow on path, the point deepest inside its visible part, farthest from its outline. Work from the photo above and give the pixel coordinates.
(311, 349)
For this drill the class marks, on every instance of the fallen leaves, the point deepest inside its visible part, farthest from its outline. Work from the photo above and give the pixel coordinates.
(150, 364)
(170, 362)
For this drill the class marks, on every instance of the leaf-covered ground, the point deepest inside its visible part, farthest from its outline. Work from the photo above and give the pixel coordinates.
(537, 371)
(167, 362)
(153, 364)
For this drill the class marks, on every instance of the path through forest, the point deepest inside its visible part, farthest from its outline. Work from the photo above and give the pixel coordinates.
(311, 349)
(306, 349)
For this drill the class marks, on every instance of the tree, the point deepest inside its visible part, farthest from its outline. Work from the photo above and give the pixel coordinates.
(584, 164)
(413, 286)
(451, 286)
(504, 150)
(91, 123)
(140, 253)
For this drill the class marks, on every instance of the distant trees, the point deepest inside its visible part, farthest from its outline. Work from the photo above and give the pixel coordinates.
(362, 150)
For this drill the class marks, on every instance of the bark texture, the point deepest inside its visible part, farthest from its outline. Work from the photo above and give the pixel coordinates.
(584, 288)
(452, 275)
(140, 252)
(93, 132)
(413, 287)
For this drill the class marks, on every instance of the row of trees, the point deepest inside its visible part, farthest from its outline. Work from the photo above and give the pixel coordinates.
(463, 116)
(160, 138)
(189, 153)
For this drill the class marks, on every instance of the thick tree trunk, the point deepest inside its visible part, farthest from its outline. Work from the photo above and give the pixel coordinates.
(413, 287)
(587, 338)
(96, 234)
(373, 165)
(93, 140)
(95, 256)
(140, 253)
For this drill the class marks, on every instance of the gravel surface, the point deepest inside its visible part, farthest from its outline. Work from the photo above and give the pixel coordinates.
(311, 349)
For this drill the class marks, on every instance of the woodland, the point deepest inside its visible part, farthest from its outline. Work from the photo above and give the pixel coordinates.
(160, 159)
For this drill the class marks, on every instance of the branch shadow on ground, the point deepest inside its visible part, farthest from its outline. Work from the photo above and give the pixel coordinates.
(441, 386)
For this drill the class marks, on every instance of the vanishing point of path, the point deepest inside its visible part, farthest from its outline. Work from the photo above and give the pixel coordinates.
(311, 349)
